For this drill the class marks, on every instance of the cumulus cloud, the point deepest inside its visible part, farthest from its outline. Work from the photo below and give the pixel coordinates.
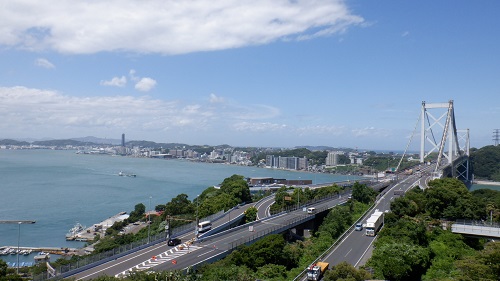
(115, 81)
(45, 63)
(36, 111)
(166, 27)
(54, 114)
(216, 99)
(145, 84)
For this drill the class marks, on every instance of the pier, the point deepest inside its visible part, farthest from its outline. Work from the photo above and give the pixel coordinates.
(12, 250)
(80, 233)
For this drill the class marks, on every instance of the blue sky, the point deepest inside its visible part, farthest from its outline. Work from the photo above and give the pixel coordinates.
(247, 73)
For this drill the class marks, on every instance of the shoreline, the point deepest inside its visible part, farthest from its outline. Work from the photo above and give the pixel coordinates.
(483, 182)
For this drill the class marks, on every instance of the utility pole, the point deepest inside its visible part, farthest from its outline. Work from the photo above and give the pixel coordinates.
(496, 136)
(19, 222)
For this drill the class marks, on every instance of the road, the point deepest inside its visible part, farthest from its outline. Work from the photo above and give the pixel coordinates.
(355, 248)
(162, 257)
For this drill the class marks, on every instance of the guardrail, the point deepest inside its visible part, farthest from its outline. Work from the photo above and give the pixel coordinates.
(335, 244)
(98, 259)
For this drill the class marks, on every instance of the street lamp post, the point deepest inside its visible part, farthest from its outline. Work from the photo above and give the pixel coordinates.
(18, 240)
(18, 222)
(196, 221)
(149, 221)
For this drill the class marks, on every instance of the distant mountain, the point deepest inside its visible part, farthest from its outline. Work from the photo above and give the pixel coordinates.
(322, 148)
(98, 140)
(62, 143)
(13, 142)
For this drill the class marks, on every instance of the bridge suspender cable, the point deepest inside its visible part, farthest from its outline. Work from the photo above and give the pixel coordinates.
(409, 142)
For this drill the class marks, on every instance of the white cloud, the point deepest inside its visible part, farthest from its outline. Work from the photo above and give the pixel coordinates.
(131, 73)
(115, 81)
(28, 112)
(216, 99)
(44, 63)
(406, 33)
(145, 84)
(167, 27)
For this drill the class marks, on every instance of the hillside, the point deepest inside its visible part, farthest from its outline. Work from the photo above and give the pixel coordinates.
(486, 162)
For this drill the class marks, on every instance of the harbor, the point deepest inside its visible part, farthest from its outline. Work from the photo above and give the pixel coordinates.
(29, 256)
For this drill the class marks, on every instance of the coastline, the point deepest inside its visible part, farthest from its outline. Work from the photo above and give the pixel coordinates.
(483, 182)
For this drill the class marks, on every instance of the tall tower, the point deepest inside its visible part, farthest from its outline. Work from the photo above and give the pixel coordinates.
(496, 136)
(123, 140)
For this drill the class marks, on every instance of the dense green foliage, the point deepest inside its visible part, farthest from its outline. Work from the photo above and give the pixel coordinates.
(345, 271)
(412, 245)
(362, 193)
(486, 162)
(290, 197)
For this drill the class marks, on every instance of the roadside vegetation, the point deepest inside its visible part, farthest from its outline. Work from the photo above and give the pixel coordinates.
(415, 243)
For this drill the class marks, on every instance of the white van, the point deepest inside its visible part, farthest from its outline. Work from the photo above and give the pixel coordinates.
(311, 210)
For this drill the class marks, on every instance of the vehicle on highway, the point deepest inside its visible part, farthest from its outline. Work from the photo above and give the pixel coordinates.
(316, 271)
(374, 222)
(173, 241)
(204, 226)
(311, 210)
(358, 227)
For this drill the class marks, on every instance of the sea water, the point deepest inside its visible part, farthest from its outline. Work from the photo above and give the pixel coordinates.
(58, 188)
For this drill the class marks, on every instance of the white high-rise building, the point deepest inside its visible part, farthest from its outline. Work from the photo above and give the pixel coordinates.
(332, 159)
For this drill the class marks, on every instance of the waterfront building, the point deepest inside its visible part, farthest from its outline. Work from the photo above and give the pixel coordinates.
(332, 159)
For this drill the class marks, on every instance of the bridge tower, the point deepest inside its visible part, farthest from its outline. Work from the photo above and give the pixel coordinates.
(456, 141)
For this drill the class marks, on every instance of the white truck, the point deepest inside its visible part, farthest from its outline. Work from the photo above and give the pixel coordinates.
(374, 222)
(316, 271)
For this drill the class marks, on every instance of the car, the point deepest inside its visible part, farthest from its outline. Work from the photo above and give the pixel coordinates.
(359, 227)
(173, 241)
(311, 210)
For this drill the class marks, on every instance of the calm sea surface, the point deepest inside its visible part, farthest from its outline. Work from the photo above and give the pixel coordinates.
(59, 188)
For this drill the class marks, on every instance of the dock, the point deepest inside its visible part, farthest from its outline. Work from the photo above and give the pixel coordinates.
(49, 250)
(88, 234)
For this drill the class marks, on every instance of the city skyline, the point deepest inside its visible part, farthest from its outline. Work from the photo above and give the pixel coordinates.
(247, 73)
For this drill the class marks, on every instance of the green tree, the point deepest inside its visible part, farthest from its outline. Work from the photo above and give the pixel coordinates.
(272, 272)
(446, 248)
(399, 261)
(362, 193)
(251, 214)
(215, 272)
(337, 221)
(450, 198)
(403, 206)
(179, 205)
(404, 230)
(3, 268)
(237, 187)
(345, 271)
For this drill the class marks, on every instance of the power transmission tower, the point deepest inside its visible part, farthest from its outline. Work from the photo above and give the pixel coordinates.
(496, 136)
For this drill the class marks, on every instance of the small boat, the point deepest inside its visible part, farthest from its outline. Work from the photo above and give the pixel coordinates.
(74, 231)
(122, 174)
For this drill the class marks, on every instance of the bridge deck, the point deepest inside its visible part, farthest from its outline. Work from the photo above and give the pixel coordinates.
(476, 229)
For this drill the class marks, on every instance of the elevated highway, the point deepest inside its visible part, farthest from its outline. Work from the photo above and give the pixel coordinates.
(210, 248)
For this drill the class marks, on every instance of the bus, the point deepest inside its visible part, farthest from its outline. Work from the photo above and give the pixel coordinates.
(204, 226)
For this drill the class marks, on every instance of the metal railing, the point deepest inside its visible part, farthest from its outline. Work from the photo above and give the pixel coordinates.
(96, 259)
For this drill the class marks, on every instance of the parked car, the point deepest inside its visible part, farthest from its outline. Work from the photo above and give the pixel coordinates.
(173, 241)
